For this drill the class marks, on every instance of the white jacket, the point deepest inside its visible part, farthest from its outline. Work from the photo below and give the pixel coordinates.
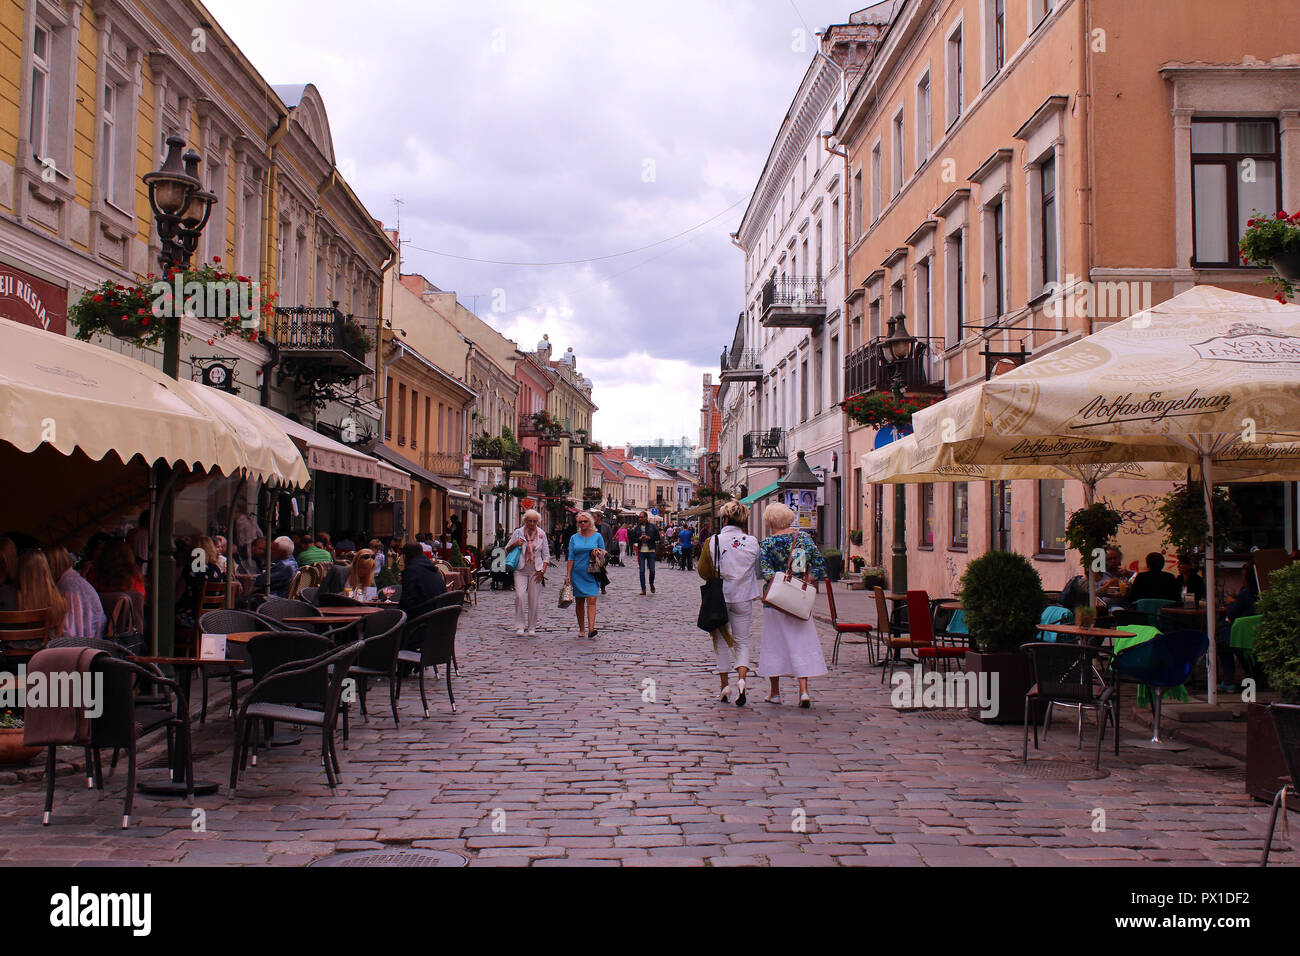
(738, 565)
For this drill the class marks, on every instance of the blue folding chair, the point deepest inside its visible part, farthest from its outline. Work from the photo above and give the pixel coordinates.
(1162, 663)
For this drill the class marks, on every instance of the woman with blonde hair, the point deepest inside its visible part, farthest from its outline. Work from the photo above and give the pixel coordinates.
(37, 591)
(361, 574)
(732, 554)
(791, 647)
(85, 617)
(584, 547)
(533, 561)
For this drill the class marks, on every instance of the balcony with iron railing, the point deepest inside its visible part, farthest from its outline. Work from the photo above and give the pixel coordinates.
(793, 302)
(443, 463)
(763, 448)
(323, 336)
(742, 365)
(869, 368)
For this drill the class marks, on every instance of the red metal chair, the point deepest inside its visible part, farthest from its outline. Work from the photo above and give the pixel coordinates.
(921, 630)
(845, 627)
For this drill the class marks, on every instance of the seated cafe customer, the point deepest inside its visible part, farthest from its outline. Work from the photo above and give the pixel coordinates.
(115, 569)
(1244, 604)
(85, 617)
(283, 567)
(315, 554)
(421, 581)
(1155, 582)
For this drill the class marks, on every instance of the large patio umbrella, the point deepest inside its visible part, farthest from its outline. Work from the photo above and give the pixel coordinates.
(1209, 377)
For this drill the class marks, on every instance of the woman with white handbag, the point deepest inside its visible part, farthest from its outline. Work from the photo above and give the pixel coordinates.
(791, 563)
(736, 563)
(529, 554)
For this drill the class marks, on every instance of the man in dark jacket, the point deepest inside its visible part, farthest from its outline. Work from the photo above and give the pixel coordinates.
(644, 536)
(421, 581)
(1155, 582)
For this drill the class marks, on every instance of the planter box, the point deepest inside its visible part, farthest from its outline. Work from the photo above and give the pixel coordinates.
(873, 581)
(1013, 683)
(12, 751)
(1264, 763)
(834, 567)
(1287, 265)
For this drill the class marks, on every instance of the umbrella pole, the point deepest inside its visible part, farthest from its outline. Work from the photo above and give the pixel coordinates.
(1089, 496)
(230, 541)
(1212, 657)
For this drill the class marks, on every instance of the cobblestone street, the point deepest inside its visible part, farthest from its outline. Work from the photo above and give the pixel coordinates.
(555, 744)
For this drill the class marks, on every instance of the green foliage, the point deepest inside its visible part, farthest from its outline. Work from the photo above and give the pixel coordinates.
(1093, 528)
(832, 553)
(1182, 515)
(1277, 642)
(519, 492)
(884, 408)
(1267, 238)
(501, 489)
(1003, 597)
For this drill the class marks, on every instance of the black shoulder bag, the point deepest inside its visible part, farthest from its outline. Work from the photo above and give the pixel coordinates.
(713, 605)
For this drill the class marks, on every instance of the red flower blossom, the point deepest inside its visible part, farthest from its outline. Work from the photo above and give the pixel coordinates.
(145, 321)
(97, 298)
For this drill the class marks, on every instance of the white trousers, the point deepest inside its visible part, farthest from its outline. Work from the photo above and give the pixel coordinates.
(739, 616)
(527, 588)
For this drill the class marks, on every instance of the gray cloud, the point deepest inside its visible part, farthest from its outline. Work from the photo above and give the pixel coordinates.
(523, 131)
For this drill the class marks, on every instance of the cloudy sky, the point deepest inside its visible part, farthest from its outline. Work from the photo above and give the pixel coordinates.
(564, 131)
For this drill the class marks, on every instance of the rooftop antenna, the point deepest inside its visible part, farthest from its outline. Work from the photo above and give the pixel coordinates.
(399, 202)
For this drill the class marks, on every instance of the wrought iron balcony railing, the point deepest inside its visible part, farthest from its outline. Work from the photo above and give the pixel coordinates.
(869, 368)
(299, 329)
(767, 446)
(742, 364)
(794, 302)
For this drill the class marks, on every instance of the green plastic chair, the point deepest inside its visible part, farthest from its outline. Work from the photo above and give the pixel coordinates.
(1141, 634)
(1242, 637)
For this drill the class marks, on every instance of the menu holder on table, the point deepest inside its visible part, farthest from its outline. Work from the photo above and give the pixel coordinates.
(212, 647)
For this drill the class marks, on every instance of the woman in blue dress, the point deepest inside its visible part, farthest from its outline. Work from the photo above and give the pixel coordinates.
(582, 545)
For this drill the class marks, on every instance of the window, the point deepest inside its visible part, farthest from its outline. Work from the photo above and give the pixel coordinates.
(857, 204)
(401, 414)
(107, 125)
(820, 239)
(896, 160)
(835, 369)
(1000, 512)
(955, 69)
(896, 303)
(957, 286)
(1051, 516)
(835, 230)
(281, 275)
(960, 515)
(805, 176)
(803, 390)
(921, 312)
(927, 516)
(996, 31)
(873, 321)
(415, 420)
(995, 293)
(40, 100)
(819, 375)
(1047, 219)
(1235, 167)
(1038, 11)
(923, 121)
(876, 204)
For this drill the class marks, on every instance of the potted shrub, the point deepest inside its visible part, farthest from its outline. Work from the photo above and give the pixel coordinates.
(1274, 242)
(1277, 651)
(857, 562)
(1090, 531)
(834, 559)
(855, 536)
(873, 576)
(879, 409)
(1182, 516)
(1002, 594)
(12, 750)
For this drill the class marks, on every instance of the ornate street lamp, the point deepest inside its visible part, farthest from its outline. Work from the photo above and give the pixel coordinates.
(898, 348)
(181, 208)
(714, 461)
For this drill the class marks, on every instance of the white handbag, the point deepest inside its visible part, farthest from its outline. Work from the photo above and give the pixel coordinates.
(788, 593)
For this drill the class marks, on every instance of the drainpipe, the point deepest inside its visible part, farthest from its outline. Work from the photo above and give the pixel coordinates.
(1089, 244)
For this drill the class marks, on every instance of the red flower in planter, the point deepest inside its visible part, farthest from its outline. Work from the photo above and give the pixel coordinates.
(216, 258)
(97, 298)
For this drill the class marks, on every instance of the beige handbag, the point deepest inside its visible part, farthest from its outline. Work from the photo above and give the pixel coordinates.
(788, 593)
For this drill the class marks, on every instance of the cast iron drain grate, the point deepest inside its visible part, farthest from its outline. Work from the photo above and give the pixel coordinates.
(1053, 770)
(393, 858)
(1232, 772)
(613, 656)
(933, 714)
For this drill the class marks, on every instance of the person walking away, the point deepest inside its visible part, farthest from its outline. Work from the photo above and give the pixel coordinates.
(583, 546)
(528, 573)
(620, 539)
(791, 647)
(687, 539)
(737, 564)
(645, 538)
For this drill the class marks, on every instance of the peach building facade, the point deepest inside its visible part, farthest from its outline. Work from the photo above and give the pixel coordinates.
(1023, 172)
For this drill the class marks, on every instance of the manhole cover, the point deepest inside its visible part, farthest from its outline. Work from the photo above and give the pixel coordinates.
(933, 714)
(393, 858)
(1053, 770)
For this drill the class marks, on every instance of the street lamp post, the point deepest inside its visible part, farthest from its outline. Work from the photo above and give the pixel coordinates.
(713, 459)
(899, 346)
(181, 208)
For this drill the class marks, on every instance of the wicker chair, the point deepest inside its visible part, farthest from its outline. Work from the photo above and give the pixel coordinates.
(1286, 719)
(430, 641)
(228, 622)
(277, 609)
(1068, 674)
(382, 633)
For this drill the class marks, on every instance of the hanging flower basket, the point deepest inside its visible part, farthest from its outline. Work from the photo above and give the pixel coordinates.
(1274, 242)
(884, 408)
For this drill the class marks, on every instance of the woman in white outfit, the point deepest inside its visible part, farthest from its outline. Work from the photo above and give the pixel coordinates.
(737, 565)
(528, 572)
(791, 647)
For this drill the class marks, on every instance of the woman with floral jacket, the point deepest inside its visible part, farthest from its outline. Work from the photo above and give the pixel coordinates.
(791, 647)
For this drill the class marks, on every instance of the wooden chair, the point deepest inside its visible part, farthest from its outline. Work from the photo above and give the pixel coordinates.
(846, 627)
(17, 627)
(922, 635)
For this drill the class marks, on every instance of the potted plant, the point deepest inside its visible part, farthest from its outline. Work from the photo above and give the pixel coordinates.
(355, 339)
(855, 536)
(1274, 242)
(834, 559)
(500, 489)
(12, 750)
(1090, 531)
(1002, 595)
(873, 576)
(520, 493)
(1277, 651)
(879, 409)
(1182, 516)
